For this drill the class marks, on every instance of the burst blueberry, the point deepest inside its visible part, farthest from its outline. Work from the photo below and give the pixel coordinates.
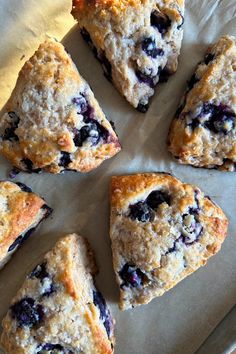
(156, 198)
(23, 187)
(106, 65)
(219, 118)
(143, 107)
(81, 104)
(93, 132)
(29, 166)
(192, 82)
(20, 239)
(9, 133)
(27, 313)
(105, 315)
(65, 159)
(85, 35)
(150, 48)
(16, 243)
(146, 79)
(131, 276)
(209, 58)
(160, 21)
(51, 348)
(141, 212)
(39, 272)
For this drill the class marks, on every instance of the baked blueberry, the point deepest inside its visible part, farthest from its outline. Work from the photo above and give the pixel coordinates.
(141, 212)
(28, 166)
(146, 79)
(131, 276)
(194, 79)
(51, 348)
(65, 159)
(105, 315)
(208, 58)
(9, 133)
(219, 118)
(14, 172)
(156, 198)
(23, 187)
(106, 65)
(150, 48)
(85, 35)
(143, 108)
(81, 104)
(160, 21)
(20, 239)
(39, 272)
(16, 243)
(27, 313)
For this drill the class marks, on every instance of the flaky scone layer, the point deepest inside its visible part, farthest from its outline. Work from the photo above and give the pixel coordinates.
(161, 231)
(203, 132)
(58, 309)
(52, 120)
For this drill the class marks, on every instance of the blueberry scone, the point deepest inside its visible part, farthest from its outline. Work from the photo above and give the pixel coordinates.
(20, 213)
(161, 231)
(58, 309)
(203, 132)
(52, 120)
(135, 41)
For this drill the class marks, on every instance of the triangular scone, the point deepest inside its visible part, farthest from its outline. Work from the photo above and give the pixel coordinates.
(52, 120)
(203, 132)
(135, 41)
(20, 213)
(58, 309)
(161, 231)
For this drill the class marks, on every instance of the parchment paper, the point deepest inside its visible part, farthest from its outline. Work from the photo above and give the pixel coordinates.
(181, 320)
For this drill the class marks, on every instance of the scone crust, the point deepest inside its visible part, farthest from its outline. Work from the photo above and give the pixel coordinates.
(71, 265)
(44, 100)
(201, 147)
(149, 246)
(116, 27)
(19, 210)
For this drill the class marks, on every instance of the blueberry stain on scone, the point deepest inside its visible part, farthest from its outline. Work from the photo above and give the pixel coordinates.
(58, 309)
(161, 231)
(21, 212)
(60, 127)
(27, 313)
(203, 131)
(134, 41)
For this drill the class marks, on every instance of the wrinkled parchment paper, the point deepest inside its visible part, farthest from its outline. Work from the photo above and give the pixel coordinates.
(181, 320)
